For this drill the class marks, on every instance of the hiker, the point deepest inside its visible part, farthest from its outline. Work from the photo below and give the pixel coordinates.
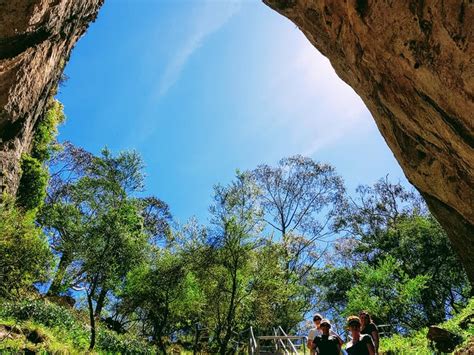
(326, 344)
(368, 327)
(317, 331)
(314, 332)
(360, 344)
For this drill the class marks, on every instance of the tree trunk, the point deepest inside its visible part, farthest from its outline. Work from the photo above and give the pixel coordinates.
(92, 320)
(64, 262)
(100, 302)
(230, 316)
(196, 340)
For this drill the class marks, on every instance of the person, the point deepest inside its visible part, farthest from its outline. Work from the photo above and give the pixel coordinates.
(317, 331)
(367, 326)
(360, 344)
(326, 344)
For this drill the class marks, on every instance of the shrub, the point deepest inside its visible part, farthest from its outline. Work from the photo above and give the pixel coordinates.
(25, 254)
(46, 131)
(50, 315)
(40, 311)
(417, 343)
(33, 183)
(34, 176)
(110, 341)
(66, 327)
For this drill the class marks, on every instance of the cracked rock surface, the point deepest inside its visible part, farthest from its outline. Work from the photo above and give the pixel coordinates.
(412, 62)
(36, 39)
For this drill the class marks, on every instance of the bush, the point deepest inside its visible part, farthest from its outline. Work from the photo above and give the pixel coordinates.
(34, 176)
(33, 183)
(110, 341)
(417, 343)
(46, 132)
(68, 329)
(40, 311)
(25, 254)
(58, 319)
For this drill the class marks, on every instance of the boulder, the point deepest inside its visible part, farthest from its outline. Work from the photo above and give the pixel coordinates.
(443, 340)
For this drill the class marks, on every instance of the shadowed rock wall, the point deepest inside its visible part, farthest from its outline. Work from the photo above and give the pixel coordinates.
(412, 62)
(36, 39)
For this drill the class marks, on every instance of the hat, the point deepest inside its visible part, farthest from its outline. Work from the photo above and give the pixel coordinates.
(325, 322)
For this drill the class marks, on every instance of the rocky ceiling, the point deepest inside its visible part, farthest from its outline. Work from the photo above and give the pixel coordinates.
(412, 62)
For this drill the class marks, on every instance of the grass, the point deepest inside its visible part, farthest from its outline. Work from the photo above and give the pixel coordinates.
(60, 331)
(23, 332)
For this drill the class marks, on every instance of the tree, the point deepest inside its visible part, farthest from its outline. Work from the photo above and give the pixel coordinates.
(270, 290)
(98, 225)
(76, 176)
(61, 217)
(25, 254)
(388, 220)
(300, 198)
(235, 234)
(162, 294)
(387, 292)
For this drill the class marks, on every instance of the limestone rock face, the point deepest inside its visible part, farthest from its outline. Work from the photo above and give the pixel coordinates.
(412, 62)
(36, 39)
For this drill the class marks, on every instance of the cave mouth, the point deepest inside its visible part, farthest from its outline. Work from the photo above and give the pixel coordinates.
(281, 98)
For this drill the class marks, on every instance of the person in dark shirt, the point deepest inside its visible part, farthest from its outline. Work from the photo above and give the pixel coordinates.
(360, 344)
(367, 326)
(325, 343)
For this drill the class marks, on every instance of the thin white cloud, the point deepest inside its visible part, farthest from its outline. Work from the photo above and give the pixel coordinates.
(209, 18)
(313, 105)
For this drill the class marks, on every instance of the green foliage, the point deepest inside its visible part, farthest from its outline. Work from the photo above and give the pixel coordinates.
(386, 292)
(58, 319)
(387, 220)
(44, 312)
(111, 342)
(34, 175)
(34, 179)
(262, 262)
(417, 343)
(163, 295)
(25, 254)
(270, 287)
(64, 330)
(46, 131)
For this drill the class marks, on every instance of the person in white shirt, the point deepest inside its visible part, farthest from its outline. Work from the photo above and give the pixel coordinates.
(316, 331)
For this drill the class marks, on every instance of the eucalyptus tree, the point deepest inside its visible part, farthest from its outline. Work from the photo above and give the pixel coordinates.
(233, 238)
(99, 224)
(60, 216)
(161, 296)
(300, 198)
(389, 220)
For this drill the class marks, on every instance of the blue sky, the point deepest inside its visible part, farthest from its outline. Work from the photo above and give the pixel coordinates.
(201, 88)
